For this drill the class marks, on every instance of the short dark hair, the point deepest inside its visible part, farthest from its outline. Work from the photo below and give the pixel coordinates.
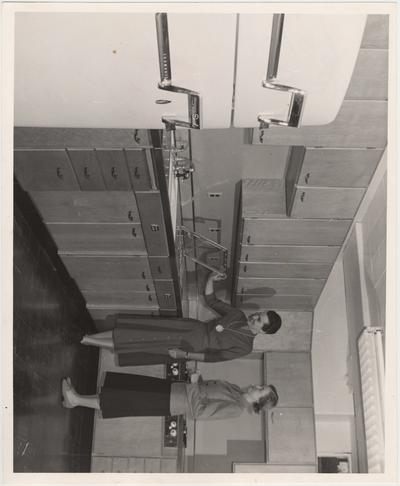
(274, 324)
(267, 401)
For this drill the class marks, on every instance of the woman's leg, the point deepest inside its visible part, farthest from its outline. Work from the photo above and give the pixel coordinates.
(72, 399)
(101, 340)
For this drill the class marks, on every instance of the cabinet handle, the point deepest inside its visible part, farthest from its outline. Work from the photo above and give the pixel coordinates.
(303, 194)
(147, 287)
(114, 174)
(136, 173)
(245, 268)
(159, 269)
(246, 258)
(143, 275)
(86, 173)
(150, 298)
(248, 239)
(134, 232)
(130, 216)
(307, 177)
(136, 136)
(60, 175)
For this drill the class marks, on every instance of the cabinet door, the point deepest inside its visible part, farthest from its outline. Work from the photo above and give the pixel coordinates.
(152, 218)
(291, 436)
(160, 267)
(119, 299)
(106, 267)
(253, 302)
(114, 169)
(326, 202)
(98, 238)
(138, 166)
(165, 294)
(280, 286)
(291, 374)
(295, 231)
(43, 170)
(289, 254)
(87, 169)
(338, 167)
(86, 207)
(283, 269)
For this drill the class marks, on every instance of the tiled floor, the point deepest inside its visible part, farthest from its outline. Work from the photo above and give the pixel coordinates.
(49, 320)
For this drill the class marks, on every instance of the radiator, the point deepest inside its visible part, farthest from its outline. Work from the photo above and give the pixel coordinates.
(370, 351)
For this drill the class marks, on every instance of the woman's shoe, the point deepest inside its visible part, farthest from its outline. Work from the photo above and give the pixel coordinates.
(67, 393)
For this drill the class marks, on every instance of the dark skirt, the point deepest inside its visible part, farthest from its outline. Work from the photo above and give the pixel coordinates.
(144, 340)
(126, 395)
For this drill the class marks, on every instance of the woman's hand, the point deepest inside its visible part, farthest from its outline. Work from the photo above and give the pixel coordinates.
(176, 353)
(216, 277)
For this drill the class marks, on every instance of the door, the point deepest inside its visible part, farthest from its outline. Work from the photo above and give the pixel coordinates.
(326, 202)
(295, 231)
(109, 72)
(303, 52)
(291, 436)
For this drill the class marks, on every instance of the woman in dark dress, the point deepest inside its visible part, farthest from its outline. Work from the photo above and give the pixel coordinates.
(140, 340)
(126, 395)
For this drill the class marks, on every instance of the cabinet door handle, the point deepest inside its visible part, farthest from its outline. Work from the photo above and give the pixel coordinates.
(159, 269)
(246, 258)
(114, 174)
(303, 195)
(136, 173)
(130, 216)
(136, 136)
(86, 173)
(147, 287)
(134, 232)
(245, 269)
(143, 275)
(307, 177)
(60, 175)
(150, 298)
(248, 239)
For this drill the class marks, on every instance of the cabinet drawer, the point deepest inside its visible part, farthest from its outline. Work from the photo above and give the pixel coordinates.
(289, 254)
(160, 267)
(44, 170)
(291, 436)
(87, 169)
(338, 167)
(295, 232)
(121, 284)
(101, 464)
(280, 286)
(98, 238)
(325, 202)
(114, 169)
(139, 169)
(111, 298)
(291, 374)
(286, 270)
(165, 294)
(284, 302)
(86, 207)
(106, 267)
(152, 218)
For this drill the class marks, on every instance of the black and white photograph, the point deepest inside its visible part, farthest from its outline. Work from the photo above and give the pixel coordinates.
(199, 260)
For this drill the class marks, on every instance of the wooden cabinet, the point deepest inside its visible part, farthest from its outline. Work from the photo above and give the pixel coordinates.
(99, 238)
(291, 436)
(139, 170)
(334, 167)
(282, 269)
(291, 374)
(325, 202)
(41, 170)
(86, 207)
(295, 232)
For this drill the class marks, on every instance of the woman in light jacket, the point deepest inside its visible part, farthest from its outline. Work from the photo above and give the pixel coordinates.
(127, 395)
(141, 340)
